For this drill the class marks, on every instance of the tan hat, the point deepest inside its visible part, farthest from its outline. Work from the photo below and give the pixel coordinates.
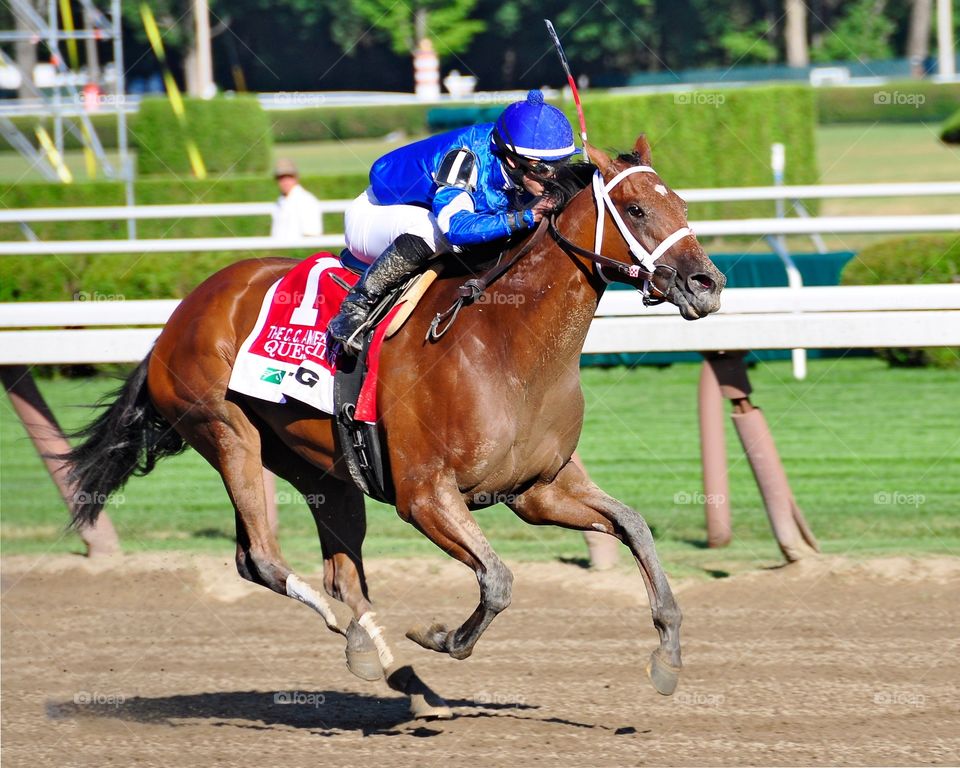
(284, 167)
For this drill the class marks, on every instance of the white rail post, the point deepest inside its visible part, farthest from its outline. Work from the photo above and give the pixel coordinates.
(778, 158)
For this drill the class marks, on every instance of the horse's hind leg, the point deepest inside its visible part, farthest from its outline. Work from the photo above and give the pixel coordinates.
(226, 438)
(440, 514)
(338, 511)
(572, 500)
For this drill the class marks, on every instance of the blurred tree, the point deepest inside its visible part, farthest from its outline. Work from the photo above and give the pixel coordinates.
(918, 39)
(863, 32)
(446, 23)
(749, 45)
(795, 34)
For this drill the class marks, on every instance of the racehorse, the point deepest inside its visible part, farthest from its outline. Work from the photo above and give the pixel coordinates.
(490, 412)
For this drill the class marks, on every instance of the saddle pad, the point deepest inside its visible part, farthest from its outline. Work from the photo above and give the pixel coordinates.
(286, 353)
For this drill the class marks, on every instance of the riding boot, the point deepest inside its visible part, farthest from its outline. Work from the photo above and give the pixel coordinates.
(405, 255)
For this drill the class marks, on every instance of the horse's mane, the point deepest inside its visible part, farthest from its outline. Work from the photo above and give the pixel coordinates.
(568, 181)
(630, 158)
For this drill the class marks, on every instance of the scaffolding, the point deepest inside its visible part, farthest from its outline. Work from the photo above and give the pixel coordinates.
(63, 98)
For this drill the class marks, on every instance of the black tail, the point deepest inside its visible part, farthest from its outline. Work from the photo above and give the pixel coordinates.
(126, 439)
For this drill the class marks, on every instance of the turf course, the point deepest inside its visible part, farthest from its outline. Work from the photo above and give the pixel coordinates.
(873, 455)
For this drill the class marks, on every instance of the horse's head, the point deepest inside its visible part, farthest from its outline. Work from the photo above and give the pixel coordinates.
(645, 221)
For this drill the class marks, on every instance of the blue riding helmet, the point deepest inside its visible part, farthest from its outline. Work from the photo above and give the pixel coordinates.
(533, 129)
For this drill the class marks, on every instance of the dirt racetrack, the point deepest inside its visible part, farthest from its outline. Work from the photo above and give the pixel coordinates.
(172, 660)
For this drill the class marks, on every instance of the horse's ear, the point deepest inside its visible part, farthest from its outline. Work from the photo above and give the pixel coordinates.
(642, 150)
(598, 157)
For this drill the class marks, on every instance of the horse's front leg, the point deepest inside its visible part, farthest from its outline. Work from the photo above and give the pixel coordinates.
(572, 500)
(441, 515)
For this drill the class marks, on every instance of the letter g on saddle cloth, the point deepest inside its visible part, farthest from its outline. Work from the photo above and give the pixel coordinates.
(645, 268)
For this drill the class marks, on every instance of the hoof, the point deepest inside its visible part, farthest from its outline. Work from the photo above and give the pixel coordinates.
(433, 638)
(424, 703)
(662, 674)
(424, 707)
(364, 664)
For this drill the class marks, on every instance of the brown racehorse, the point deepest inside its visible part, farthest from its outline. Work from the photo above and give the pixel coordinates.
(491, 412)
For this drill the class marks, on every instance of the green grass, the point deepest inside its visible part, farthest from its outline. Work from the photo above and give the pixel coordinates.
(871, 154)
(853, 430)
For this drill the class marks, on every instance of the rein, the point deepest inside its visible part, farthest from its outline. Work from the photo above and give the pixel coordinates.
(644, 269)
(473, 289)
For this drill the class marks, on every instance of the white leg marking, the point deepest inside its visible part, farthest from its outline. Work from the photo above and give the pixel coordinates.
(601, 527)
(368, 622)
(298, 589)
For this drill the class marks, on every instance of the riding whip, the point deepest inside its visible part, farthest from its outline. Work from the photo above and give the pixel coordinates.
(573, 84)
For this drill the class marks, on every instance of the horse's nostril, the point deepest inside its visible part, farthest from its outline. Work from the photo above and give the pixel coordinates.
(700, 283)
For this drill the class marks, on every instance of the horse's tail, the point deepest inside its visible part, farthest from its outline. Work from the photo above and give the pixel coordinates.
(126, 439)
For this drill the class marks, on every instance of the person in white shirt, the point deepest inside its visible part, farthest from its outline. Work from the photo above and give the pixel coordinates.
(297, 212)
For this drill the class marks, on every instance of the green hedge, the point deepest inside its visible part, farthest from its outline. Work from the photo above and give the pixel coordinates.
(326, 123)
(233, 135)
(910, 101)
(910, 260)
(834, 105)
(104, 123)
(139, 276)
(950, 133)
(713, 138)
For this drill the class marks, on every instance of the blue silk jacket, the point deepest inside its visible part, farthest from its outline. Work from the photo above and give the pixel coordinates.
(407, 176)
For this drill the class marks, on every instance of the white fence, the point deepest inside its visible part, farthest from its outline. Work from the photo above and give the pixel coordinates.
(750, 318)
(758, 318)
(774, 226)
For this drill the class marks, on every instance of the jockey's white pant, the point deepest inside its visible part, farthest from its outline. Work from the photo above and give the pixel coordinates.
(370, 228)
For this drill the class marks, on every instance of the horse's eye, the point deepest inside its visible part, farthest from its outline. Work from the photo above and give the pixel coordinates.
(635, 210)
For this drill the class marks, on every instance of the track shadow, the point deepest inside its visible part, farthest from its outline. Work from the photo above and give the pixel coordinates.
(322, 712)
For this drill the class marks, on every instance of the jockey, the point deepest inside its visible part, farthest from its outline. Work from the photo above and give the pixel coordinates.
(446, 192)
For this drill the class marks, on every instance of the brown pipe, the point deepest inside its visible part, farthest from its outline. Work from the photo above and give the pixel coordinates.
(713, 454)
(789, 526)
(42, 427)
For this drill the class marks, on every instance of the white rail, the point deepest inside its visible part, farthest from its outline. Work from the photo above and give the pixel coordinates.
(820, 191)
(834, 224)
(720, 194)
(750, 318)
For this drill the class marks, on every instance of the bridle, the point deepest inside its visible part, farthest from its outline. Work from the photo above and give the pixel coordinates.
(646, 265)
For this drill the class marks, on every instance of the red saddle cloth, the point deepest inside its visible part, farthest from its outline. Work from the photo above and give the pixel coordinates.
(286, 354)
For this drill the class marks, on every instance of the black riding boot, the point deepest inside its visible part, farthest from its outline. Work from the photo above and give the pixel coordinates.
(404, 256)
